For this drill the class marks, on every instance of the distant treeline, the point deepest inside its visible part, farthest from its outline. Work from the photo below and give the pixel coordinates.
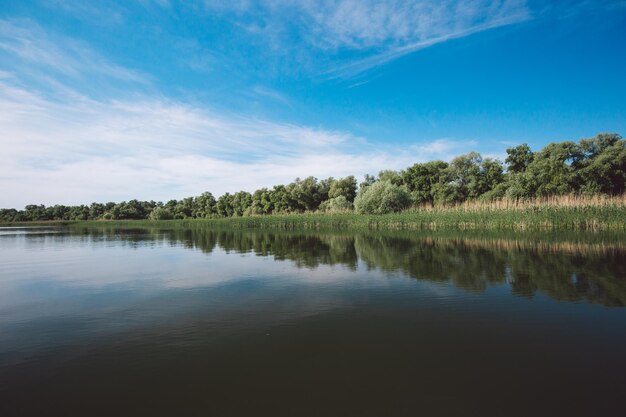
(590, 167)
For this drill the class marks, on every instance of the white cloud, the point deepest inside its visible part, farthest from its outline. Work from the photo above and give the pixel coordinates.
(360, 65)
(64, 143)
(360, 24)
(89, 150)
(271, 94)
(30, 44)
(96, 13)
(443, 147)
(368, 32)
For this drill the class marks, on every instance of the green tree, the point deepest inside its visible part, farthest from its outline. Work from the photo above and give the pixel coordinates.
(448, 193)
(551, 172)
(281, 200)
(345, 187)
(367, 181)
(161, 213)
(262, 202)
(603, 168)
(307, 193)
(35, 212)
(224, 205)
(393, 177)
(60, 212)
(96, 211)
(467, 177)
(79, 213)
(421, 178)
(491, 175)
(519, 158)
(204, 206)
(184, 208)
(241, 201)
(338, 204)
(382, 197)
(9, 215)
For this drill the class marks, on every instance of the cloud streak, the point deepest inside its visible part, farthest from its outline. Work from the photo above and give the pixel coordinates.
(93, 150)
(362, 65)
(42, 54)
(356, 35)
(65, 142)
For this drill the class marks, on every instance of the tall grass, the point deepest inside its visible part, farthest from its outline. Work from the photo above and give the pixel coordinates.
(565, 201)
(555, 213)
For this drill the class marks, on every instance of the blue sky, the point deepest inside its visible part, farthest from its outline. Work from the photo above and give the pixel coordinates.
(108, 101)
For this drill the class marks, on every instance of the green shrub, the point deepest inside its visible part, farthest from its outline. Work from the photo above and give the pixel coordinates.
(161, 213)
(382, 197)
(336, 205)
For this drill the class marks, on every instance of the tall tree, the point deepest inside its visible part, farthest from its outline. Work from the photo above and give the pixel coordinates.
(519, 158)
(345, 187)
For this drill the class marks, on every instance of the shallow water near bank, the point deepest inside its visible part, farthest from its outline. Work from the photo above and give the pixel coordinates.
(105, 321)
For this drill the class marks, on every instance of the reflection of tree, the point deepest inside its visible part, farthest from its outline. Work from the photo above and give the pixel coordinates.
(564, 270)
(431, 260)
(596, 276)
(304, 250)
(307, 251)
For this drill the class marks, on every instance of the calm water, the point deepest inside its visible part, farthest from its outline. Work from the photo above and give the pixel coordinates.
(205, 323)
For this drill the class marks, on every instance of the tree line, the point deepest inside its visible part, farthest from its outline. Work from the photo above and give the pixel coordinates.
(588, 167)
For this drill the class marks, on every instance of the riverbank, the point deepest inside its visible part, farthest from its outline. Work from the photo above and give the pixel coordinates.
(564, 213)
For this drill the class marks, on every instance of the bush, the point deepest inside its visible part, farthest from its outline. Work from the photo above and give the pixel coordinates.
(447, 194)
(253, 211)
(336, 205)
(497, 193)
(161, 213)
(382, 197)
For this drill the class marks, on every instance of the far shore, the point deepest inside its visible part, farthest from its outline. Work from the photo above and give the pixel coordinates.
(484, 217)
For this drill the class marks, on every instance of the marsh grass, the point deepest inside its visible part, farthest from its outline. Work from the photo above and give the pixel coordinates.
(543, 203)
(555, 213)
(552, 213)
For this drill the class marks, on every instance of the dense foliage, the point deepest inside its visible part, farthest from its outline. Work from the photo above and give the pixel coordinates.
(590, 167)
(382, 197)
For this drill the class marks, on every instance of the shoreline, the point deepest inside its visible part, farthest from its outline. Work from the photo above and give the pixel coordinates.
(581, 218)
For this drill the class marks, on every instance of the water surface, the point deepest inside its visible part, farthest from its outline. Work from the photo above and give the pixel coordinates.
(216, 323)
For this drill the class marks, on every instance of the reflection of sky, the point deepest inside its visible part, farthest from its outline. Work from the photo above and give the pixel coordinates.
(55, 288)
(33, 262)
(58, 289)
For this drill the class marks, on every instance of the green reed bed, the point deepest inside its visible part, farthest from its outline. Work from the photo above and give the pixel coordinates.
(43, 223)
(532, 217)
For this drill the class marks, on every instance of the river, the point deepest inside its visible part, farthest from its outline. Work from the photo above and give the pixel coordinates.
(186, 322)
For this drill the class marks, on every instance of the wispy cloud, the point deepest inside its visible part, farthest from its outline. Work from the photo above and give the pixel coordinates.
(364, 24)
(361, 65)
(356, 35)
(96, 13)
(29, 44)
(152, 148)
(271, 94)
(64, 142)
(443, 147)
